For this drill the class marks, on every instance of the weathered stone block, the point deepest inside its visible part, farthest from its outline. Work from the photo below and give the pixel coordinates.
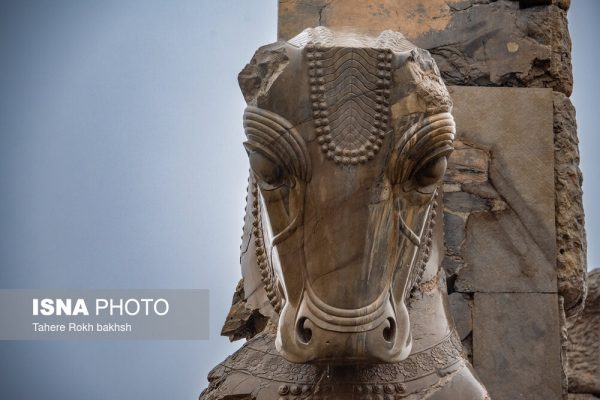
(501, 255)
(570, 221)
(516, 345)
(454, 226)
(461, 305)
(452, 266)
(578, 396)
(464, 202)
(477, 42)
(467, 164)
(509, 244)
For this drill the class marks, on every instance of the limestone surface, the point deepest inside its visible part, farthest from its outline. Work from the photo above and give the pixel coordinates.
(503, 321)
(570, 223)
(475, 42)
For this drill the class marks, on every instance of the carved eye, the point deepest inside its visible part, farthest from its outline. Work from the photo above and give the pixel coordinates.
(431, 172)
(266, 170)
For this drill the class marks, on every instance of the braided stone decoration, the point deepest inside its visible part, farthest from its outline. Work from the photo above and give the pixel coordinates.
(350, 90)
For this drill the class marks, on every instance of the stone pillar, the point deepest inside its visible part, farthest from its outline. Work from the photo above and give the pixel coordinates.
(515, 239)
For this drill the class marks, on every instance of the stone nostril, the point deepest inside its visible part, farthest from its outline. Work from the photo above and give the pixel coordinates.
(304, 333)
(389, 332)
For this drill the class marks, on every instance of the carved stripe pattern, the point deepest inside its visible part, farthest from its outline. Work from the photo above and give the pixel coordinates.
(324, 37)
(276, 138)
(350, 90)
(346, 320)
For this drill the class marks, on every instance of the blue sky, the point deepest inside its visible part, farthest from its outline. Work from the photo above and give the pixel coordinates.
(121, 166)
(583, 25)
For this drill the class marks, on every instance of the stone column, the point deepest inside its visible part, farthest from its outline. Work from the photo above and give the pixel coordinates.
(515, 239)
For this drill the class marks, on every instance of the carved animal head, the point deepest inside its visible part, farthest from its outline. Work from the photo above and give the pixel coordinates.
(347, 138)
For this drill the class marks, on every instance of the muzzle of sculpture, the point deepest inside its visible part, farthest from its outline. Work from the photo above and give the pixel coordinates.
(348, 139)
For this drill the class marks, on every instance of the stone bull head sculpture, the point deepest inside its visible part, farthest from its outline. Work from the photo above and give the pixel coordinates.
(348, 138)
